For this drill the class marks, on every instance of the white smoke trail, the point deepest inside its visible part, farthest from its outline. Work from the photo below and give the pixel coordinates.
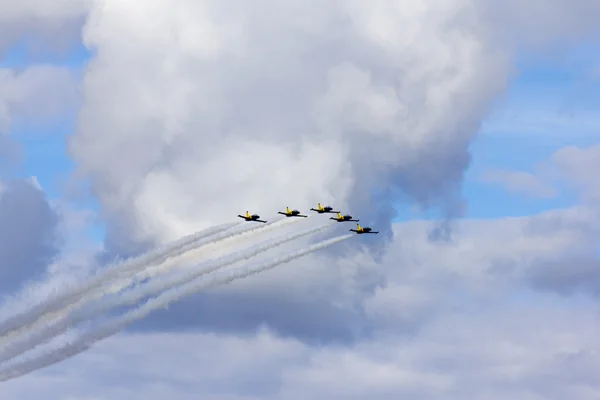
(228, 241)
(87, 294)
(87, 340)
(28, 343)
(17, 324)
(79, 299)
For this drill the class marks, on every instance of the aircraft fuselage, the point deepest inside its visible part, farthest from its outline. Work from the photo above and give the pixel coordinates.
(324, 210)
(293, 213)
(363, 230)
(344, 218)
(253, 217)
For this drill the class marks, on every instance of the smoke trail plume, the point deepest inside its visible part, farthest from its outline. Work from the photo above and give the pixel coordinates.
(34, 317)
(27, 317)
(60, 326)
(87, 340)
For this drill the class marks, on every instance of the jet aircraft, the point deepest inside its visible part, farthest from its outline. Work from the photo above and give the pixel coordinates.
(253, 217)
(322, 210)
(343, 218)
(359, 230)
(292, 213)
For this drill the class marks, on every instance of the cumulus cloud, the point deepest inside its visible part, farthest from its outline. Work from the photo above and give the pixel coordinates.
(28, 242)
(544, 23)
(219, 111)
(535, 351)
(270, 105)
(353, 296)
(195, 111)
(39, 95)
(45, 24)
(569, 275)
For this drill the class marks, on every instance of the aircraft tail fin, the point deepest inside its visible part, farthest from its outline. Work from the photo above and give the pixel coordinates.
(358, 228)
(287, 210)
(319, 206)
(248, 214)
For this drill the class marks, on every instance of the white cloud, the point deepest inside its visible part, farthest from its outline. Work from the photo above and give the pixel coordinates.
(568, 167)
(440, 320)
(194, 112)
(217, 111)
(50, 24)
(60, 9)
(577, 165)
(544, 350)
(292, 104)
(345, 295)
(28, 240)
(544, 23)
(38, 96)
(281, 108)
(520, 181)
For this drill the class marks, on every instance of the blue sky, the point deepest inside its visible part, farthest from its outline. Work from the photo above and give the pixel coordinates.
(542, 112)
(551, 103)
(438, 317)
(44, 150)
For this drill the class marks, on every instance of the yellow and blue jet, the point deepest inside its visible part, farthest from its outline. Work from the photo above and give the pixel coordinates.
(292, 213)
(323, 210)
(343, 218)
(253, 217)
(359, 230)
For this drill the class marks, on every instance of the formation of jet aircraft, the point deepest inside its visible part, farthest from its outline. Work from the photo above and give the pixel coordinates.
(321, 210)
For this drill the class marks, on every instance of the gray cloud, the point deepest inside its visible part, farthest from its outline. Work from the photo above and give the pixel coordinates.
(194, 113)
(283, 109)
(569, 275)
(448, 321)
(575, 268)
(356, 295)
(483, 351)
(380, 109)
(38, 96)
(43, 25)
(543, 23)
(28, 241)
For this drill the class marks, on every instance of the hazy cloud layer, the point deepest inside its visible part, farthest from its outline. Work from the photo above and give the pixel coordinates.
(520, 182)
(545, 350)
(577, 166)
